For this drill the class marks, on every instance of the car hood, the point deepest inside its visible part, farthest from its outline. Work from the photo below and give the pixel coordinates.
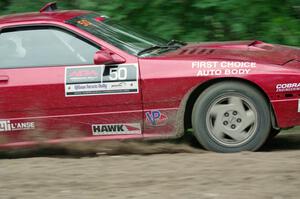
(254, 51)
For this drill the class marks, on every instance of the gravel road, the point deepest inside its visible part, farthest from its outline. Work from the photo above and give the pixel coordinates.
(156, 170)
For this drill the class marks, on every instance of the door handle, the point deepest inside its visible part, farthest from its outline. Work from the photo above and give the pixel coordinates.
(4, 78)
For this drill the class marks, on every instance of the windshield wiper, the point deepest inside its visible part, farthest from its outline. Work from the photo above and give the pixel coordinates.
(173, 44)
(155, 48)
(176, 42)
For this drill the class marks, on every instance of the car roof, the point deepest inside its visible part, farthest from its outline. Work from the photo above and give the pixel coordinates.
(56, 16)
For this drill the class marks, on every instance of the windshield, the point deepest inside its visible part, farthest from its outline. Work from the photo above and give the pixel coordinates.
(119, 36)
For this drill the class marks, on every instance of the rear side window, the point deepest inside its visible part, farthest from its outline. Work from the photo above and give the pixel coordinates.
(44, 46)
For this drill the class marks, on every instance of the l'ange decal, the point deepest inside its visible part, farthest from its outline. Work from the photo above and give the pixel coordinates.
(156, 118)
(217, 68)
(7, 125)
(101, 80)
(116, 129)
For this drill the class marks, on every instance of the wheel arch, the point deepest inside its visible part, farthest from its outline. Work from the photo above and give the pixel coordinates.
(192, 96)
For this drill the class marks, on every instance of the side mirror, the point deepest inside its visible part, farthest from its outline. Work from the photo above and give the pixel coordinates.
(104, 57)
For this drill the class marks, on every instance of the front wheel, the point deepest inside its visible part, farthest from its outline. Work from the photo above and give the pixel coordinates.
(231, 117)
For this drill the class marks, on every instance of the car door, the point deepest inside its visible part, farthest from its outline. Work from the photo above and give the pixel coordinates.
(50, 89)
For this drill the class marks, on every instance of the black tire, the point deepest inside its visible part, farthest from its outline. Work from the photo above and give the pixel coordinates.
(252, 103)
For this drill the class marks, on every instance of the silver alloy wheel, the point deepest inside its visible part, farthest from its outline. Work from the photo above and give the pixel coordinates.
(231, 120)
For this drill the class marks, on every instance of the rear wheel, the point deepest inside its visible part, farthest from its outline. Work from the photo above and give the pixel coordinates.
(231, 117)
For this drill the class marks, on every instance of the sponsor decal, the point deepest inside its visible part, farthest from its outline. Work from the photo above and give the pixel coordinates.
(156, 118)
(84, 22)
(116, 129)
(84, 73)
(120, 85)
(7, 125)
(217, 68)
(101, 80)
(287, 87)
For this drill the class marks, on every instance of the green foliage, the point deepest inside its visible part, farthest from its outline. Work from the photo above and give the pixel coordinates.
(275, 21)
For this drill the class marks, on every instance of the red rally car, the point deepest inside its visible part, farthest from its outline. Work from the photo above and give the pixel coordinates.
(79, 76)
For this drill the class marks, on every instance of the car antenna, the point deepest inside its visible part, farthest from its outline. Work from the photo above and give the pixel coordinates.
(49, 7)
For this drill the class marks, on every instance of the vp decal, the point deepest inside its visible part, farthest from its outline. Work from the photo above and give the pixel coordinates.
(101, 80)
(156, 118)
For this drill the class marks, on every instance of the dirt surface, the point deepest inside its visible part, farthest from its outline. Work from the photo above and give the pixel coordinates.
(185, 172)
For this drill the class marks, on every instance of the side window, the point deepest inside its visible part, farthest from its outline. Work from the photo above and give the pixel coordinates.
(43, 47)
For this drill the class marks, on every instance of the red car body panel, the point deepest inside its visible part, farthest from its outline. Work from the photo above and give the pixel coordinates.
(165, 84)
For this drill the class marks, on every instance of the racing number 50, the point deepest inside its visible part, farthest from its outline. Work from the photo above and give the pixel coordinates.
(118, 73)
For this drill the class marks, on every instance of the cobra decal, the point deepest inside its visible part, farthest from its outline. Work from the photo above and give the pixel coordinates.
(288, 87)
